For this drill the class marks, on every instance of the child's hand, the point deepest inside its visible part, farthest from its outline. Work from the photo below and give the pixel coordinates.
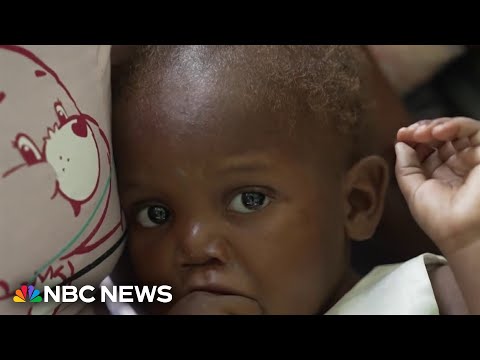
(442, 187)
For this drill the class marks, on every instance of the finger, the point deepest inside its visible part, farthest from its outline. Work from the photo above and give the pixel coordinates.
(206, 303)
(420, 132)
(467, 159)
(446, 162)
(423, 134)
(461, 144)
(446, 151)
(402, 134)
(408, 170)
(459, 155)
(424, 122)
(458, 128)
(240, 305)
(423, 151)
(405, 134)
(436, 167)
(431, 164)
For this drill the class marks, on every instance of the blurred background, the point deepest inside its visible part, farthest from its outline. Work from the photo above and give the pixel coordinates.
(433, 80)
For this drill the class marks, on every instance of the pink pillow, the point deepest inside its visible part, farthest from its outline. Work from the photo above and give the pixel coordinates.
(60, 219)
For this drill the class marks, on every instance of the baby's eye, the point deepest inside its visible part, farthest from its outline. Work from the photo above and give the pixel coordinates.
(153, 215)
(247, 202)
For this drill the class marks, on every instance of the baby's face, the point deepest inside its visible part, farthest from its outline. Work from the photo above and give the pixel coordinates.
(223, 199)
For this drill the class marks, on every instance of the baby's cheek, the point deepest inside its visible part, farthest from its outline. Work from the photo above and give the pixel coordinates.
(303, 261)
(147, 254)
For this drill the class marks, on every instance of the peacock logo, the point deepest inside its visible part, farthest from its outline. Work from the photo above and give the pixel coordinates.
(33, 294)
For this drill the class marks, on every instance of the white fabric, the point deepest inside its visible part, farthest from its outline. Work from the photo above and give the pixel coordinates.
(398, 289)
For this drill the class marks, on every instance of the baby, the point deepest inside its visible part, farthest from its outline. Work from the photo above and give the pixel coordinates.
(245, 172)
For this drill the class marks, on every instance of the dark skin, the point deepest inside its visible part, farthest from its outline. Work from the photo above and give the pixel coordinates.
(398, 236)
(208, 268)
(239, 214)
(438, 170)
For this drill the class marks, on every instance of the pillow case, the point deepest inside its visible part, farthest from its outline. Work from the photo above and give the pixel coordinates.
(60, 218)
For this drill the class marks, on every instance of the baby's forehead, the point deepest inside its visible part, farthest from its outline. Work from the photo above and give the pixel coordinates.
(322, 78)
(198, 81)
(216, 133)
(278, 86)
(217, 136)
(203, 69)
(225, 104)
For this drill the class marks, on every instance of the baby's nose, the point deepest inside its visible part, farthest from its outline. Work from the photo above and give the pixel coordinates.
(202, 245)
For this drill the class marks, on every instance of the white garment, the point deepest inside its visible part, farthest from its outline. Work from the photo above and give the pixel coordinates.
(398, 289)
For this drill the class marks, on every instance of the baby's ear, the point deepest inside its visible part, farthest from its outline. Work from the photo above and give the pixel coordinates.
(365, 189)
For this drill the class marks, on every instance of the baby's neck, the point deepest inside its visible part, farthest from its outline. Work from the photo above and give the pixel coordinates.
(347, 282)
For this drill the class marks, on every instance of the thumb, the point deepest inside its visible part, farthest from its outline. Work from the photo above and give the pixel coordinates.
(408, 170)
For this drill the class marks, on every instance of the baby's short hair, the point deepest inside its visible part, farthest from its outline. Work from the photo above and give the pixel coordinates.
(328, 82)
